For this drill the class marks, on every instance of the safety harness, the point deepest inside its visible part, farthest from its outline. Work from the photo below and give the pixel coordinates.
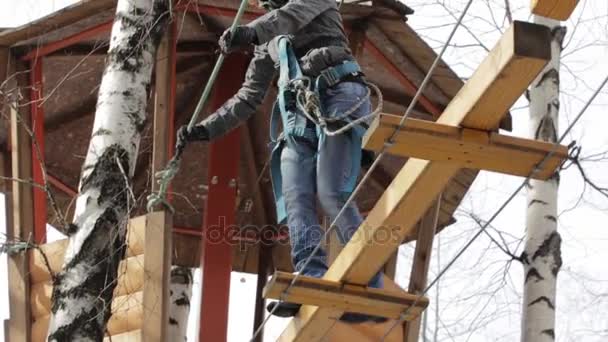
(298, 105)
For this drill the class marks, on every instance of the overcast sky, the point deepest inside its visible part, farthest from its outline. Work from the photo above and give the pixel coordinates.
(583, 283)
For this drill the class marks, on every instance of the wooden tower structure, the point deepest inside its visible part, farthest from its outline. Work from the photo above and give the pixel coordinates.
(223, 221)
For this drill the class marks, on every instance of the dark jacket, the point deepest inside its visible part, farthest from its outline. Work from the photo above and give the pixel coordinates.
(318, 38)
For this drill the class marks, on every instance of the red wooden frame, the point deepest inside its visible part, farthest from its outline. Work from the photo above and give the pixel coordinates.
(222, 174)
(71, 40)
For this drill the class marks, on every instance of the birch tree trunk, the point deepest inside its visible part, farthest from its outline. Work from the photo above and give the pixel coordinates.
(180, 295)
(542, 254)
(82, 293)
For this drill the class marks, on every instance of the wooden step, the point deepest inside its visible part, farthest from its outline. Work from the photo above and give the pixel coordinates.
(346, 297)
(555, 9)
(470, 148)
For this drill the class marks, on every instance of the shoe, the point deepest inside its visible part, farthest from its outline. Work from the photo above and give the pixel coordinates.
(285, 309)
(357, 318)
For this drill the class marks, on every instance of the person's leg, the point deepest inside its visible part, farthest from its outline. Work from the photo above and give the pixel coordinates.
(298, 167)
(338, 167)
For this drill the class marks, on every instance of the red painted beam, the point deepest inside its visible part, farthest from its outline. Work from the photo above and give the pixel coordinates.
(37, 113)
(65, 42)
(59, 184)
(402, 77)
(223, 171)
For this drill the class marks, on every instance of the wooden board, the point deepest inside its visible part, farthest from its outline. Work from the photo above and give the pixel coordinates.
(21, 229)
(351, 298)
(54, 252)
(420, 268)
(470, 148)
(502, 77)
(130, 280)
(157, 270)
(127, 313)
(131, 336)
(555, 9)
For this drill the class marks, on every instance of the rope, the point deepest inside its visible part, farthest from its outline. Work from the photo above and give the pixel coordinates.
(165, 176)
(309, 104)
(501, 208)
(377, 160)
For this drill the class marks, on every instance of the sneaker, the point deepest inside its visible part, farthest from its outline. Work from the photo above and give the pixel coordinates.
(356, 318)
(285, 309)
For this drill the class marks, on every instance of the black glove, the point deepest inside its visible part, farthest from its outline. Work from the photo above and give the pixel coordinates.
(196, 133)
(242, 38)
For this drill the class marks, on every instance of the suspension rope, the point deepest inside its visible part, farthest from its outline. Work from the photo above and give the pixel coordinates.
(165, 176)
(500, 209)
(376, 162)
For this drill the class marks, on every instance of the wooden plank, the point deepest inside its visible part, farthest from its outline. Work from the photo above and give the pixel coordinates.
(422, 259)
(502, 77)
(130, 280)
(22, 213)
(54, 252)
(164, 103)
(127, 315)
(131, 336)
(157, 269)
(56, 20)
(470, 148)
(351, 298)
(489, 94)
(555, 9)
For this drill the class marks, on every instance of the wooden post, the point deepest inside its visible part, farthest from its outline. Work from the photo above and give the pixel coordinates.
(37, 113)
(157, 274)
(420, 269)
(260, 303)
(19, 325)
(159, 225)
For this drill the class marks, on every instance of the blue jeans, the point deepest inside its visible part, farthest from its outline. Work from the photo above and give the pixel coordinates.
(326, 170)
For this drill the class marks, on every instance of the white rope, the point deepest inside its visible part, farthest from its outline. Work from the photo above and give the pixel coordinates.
(377, 160)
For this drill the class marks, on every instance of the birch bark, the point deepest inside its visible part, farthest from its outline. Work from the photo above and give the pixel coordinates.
(542, 254)
(180, 295)
(83, 290)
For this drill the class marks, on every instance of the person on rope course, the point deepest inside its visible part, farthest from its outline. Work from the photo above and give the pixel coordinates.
(324, 105)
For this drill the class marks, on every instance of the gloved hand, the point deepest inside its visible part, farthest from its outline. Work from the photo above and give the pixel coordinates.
(242, 37)
(196, 133)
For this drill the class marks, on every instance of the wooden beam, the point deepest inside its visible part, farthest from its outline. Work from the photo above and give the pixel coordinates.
(470, 148)
(351, 298)
(157, 271)
(555, 9)
(422, 259)
(502, 77)
(264, 258)
(22, 208)
(131, 336)
(59, 19)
